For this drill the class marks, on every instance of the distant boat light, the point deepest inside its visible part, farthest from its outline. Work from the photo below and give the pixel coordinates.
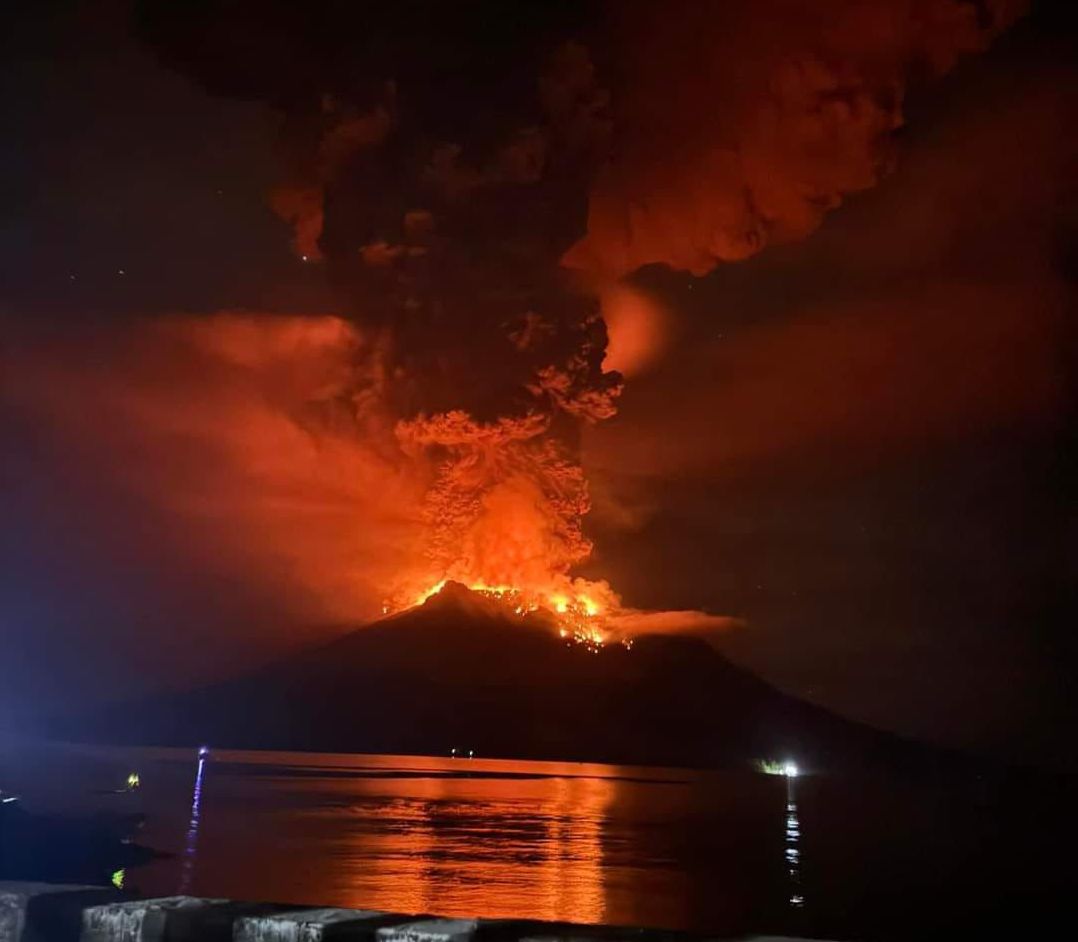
(203, 751)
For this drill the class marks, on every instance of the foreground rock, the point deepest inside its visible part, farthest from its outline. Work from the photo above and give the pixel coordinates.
(58, 913)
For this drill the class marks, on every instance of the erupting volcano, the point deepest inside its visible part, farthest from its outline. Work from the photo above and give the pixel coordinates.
(505, 498)
(503, 516)
(489, 354)
(474, 242)
(471, 222)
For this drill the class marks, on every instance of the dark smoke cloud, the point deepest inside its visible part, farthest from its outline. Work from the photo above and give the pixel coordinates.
(443, 158)
(440, 197)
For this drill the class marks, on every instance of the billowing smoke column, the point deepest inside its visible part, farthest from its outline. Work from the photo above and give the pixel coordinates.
(465, 171)
(449, 253)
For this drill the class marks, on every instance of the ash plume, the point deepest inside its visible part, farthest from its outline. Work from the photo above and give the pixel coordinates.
(472, 175)
(742, 125)
(447, 247)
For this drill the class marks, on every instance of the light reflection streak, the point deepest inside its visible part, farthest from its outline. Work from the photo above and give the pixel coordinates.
(792, 847)
(191, 844)
(570, 871)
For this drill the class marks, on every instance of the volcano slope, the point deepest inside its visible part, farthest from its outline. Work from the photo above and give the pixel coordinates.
(462, 672)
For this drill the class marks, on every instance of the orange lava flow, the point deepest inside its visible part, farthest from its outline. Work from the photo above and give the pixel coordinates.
(579, 611)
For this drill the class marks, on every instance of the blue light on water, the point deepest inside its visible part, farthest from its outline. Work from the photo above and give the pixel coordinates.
(191, 845)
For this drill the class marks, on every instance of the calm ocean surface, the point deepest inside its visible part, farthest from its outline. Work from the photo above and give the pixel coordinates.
(718, 852)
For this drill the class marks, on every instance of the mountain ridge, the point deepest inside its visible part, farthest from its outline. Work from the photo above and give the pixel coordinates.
(463, 672)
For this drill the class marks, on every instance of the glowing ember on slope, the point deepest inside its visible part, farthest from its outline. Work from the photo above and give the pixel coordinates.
(579, 616)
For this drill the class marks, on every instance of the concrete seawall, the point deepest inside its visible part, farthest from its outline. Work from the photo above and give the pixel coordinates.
(37, 912)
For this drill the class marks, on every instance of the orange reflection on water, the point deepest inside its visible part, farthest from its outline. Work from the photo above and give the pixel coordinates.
(454, 841)
(577, 842)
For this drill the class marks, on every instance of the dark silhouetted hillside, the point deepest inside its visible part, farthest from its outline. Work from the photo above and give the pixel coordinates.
(461, 672)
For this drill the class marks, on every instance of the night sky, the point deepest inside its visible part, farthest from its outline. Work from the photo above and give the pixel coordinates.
(860, 443)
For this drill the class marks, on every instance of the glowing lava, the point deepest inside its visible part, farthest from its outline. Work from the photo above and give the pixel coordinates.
(579, 611)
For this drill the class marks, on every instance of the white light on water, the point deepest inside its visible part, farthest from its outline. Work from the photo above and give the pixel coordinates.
(790, 770)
